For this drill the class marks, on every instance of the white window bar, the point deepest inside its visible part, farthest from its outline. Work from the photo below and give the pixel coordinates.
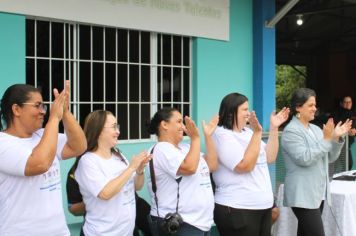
(139, 86)
(104, 70)
(171, 68)
(161, 74)
(190, 76)
(77, 68)
(128, 86)
(154, 70)
(73, 67)
(50, 62)
(71, 55)
(35, 52)
(182, 74)
(91, 68)
(116, 74)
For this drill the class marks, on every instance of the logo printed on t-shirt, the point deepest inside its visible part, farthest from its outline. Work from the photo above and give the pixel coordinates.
(52, 178)
(205, 174)
(128, 192)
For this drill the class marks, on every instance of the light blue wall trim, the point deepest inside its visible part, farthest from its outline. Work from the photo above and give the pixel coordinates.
(222, 67)
(264, 60)
(12, 50)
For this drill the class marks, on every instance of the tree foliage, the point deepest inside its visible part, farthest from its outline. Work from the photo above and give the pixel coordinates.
(288, 79)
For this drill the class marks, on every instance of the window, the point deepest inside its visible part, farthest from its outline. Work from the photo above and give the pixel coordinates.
(128, 72)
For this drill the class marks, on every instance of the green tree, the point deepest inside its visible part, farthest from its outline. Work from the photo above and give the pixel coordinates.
(288, 79)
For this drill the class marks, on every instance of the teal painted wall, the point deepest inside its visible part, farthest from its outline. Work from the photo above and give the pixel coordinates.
(223, 67)
(12, 50)
(219, 67)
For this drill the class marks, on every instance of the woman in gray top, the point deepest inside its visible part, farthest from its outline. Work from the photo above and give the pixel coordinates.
(307, 150)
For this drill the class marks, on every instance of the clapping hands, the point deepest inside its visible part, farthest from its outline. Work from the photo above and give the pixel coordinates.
(254, 123)
(139, 161)
(210, 127)
(190, 128)
(277, 119)
(60, 104)
(331, 131)
(342, 129)
(328, 129)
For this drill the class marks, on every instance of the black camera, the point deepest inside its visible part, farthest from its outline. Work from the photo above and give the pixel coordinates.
(172, 222)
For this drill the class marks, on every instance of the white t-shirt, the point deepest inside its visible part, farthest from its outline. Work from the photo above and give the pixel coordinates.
(196, 200)
(29, 205)
(115, 216)
(251, 190)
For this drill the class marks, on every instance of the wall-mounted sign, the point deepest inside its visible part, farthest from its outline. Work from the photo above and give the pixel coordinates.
(201, 18)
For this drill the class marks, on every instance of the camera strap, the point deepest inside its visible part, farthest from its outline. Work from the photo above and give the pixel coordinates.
(154, 186)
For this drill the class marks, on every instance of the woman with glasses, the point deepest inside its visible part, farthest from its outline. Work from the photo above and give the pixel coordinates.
(174, 160)
(30, 179)
(106, 179)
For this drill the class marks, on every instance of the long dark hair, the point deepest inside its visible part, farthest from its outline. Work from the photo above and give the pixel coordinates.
(15, 94)
(228, 109)
(162, 115)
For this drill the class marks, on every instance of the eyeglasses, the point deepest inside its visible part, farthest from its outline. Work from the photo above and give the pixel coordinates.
(114, 127)
(38, 105)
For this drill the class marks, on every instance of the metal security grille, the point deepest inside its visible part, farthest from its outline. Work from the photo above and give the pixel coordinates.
(128, 72)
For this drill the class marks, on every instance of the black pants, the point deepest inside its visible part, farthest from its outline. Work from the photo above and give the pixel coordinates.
(242, 222)
(142, 211)
(309, 221)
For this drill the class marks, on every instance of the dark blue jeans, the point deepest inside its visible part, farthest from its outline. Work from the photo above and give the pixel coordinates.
(184, 230)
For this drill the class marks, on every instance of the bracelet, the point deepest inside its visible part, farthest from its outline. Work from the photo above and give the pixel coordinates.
(140, 173)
